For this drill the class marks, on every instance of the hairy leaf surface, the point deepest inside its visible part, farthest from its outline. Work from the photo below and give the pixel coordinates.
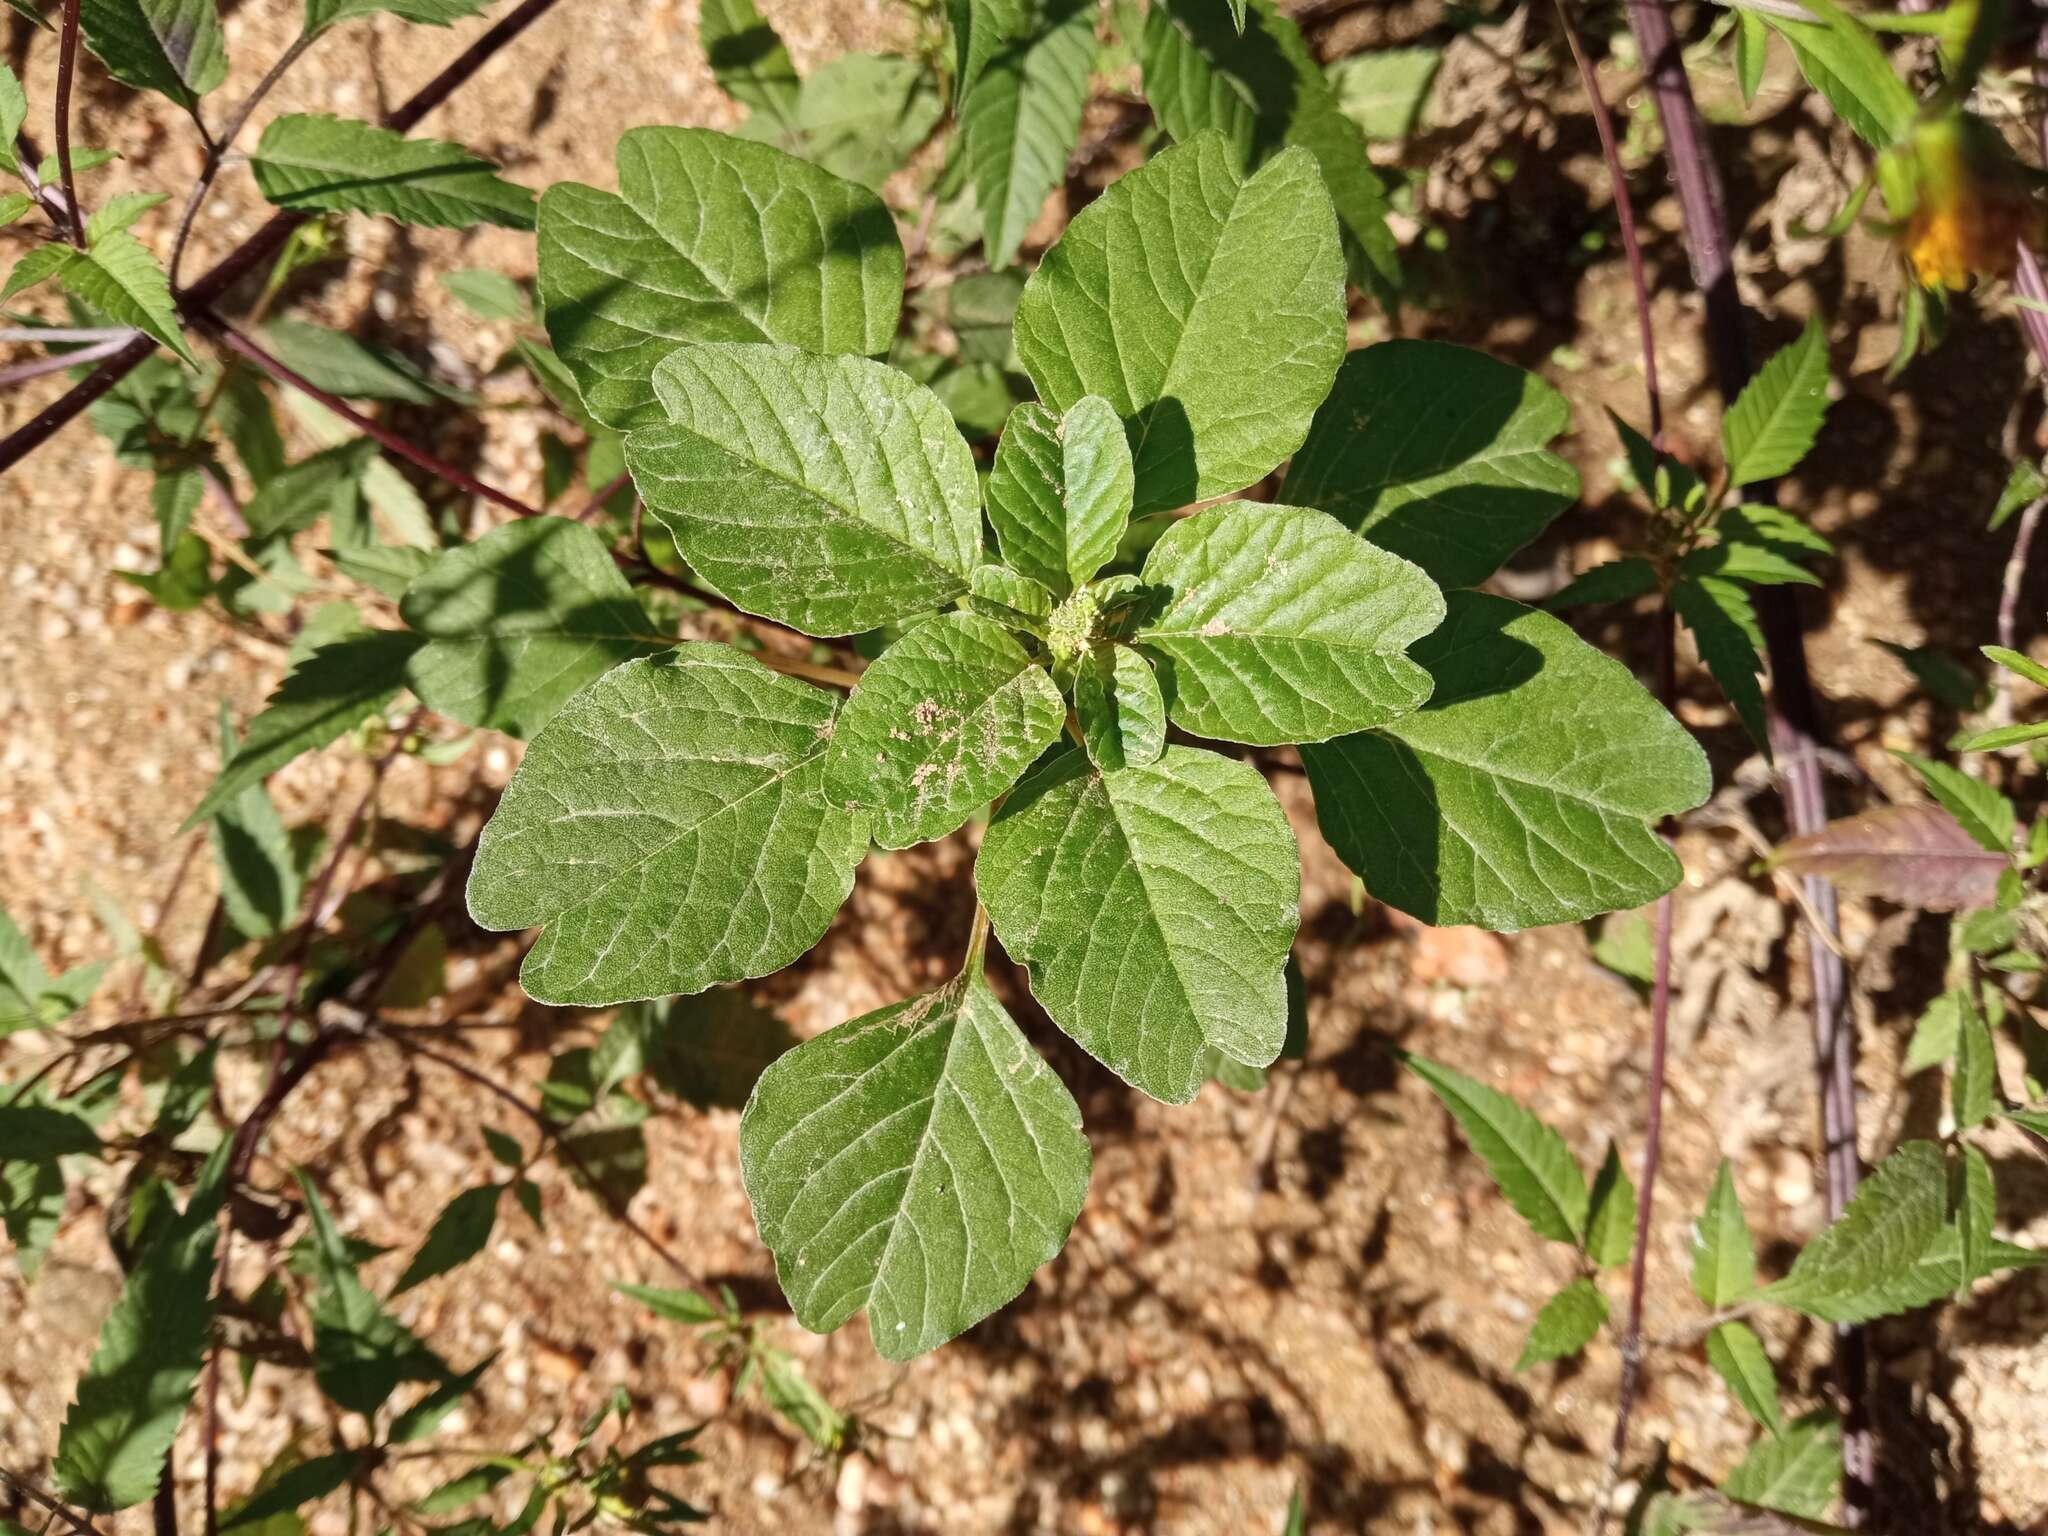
(1023, 119)
(1059, 497)
(1897, 1213)
(1121, 711)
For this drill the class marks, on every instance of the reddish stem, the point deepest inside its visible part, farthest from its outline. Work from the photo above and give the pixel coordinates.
(67, 64)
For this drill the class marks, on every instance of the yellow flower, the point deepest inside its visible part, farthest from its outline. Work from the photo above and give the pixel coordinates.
(1969, 202)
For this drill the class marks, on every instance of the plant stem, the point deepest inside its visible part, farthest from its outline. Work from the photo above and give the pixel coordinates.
(2009, 597)
(67, 65)
(217, 151)
(39, 367)
(612, 488)
(809, 671)
(36, 335)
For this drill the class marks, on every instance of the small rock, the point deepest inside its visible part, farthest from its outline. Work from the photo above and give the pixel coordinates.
(1464, 957)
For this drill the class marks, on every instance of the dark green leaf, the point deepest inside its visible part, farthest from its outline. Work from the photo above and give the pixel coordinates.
(1723, 1257)
(747, 58)
(1566, 1325)
(304, 1484)
(1734, 1350)
(360, 1352)
(1896, 1214)
(458, 1235)
(1775, 419)
(1528, 1160)
(36, 1133)
(1024, 118)
(1611, 1213)
(172, 46)
(312, 161)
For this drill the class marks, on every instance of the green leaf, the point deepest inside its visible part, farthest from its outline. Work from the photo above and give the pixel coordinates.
(921, 1161)
(122, 280)
(1796, 1472)
(1775, 419)
(260, 875)
(1059, 497)
(1752, 52)
(1974, 1087)
(1896, 1214)
(360, 1352)
(458, 1235)
(388, 569)
(1153, 908)
(685, 1307)
(670, 829)
(1384, 91)
(24, 981)
(944, 722)
(2018, 665)
(1936, 1032)
(1979, 808)
(187, 1095)
(861, 116)
(488, 295)
(14, 206)
(37, 265)
(322, 14)
(1263, 89)
(1528, 1160)
(1566, 1325)
(1437, 453)
(1121, 711)
(1275, 625)
(36, 1133)
(1724, 627)
(830, 494)
(518, 622)
(1845, 62)
(1024, 118)
(1612, 581)
(327, 484)
(342, 365)
(1528, 789)
(710, 239)
(709, 1050)
(1723, 1256)
(747, 58)
(136, 1389)
(1246, 283)
(2025, 484)
(1738, 1354)
(1756, 564)
(1976, 1209)
(307, 1483)
(2000, 737)
(119, 213)
(980, 28)
(1015, 602)
(311, 160)
(331, 692)
(172, 46)
(1611, 1213)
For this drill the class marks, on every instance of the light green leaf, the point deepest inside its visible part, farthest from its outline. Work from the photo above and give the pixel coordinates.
(710, 239)
(172, 46)
(322, 14)
(1896, 1214)
(1275, 625)
(310, 160)
(24, 980)
(1999, 737)
(2018, 665)
(360, 1352)
(1059, 497)
(1738, 1354)
(1383, 91)
(327, 484)
(1724, 627)
(747, 58)
(1756, 564)
(1566, 1325)
(342, 365)
(122, 280)
(1796, 1473)
(488, 295)
(1773, 422)
(1611, 1213)
(1528, 789)
(1846, 63)
(518, 622)
(1244, 281)
(830, 494)
(1936, 1031)
(38, 264)
(980, 28)
(1262, 87)
(1153, 908)
(1017, 602)
(31, 1208)
(14, 206)
(1437, 453)
(119, 213)
(1024, 118)
(1752, 52)
(1974, 1086)
(940, 725)
(1723, 1257)
(334, 690)
(1121, 711)
(1981, 810)
(458, 1235)
(1976, 1209)
(861, 116)
(388, 569)
(1528, 1160)
(921, 1161)
(670, 829)
(2025, 484)
(677, 1306)
(260, 874)
(136, 1389)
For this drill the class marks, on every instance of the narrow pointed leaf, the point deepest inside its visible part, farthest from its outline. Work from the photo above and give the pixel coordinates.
(1978, 807)
(1526, 791)
(921, 1161)
(1024, 118)
(322, 14)
(1734, 1350)
(940, 725)
(669, 829)
(1438, 453)
(123, 281)
(1119, 706)
(1724, 627)
(831, 494)
(1275, 625)
(1611, 1213)
(310, 160)
(360, 1352)
(1060, 494)
(1612, 581)
(981, 28)
(458, 1235)
(1974, 1088)
(38, 1133)
(1775, 419)
(307, 1483)
(1243, 279)
(1528, 1160)
(1152, 907)
(1723, 1256)
(171, 46)
(709, 238)
(1796, 1473)
(748, 59)
(1566, 1325)
(1896, 1214)
(1917, 855)
(1976, 1209)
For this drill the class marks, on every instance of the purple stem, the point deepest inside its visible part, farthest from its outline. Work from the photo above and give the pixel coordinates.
(67, 64)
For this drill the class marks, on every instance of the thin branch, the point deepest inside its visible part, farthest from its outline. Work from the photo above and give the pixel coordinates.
(36, 335)
(598, 501)
(217, 151)
(2009, 596)
(41, 367)
(67, 65)
(27, 1490)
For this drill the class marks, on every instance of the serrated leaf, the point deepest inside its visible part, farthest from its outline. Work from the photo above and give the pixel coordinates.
(1978, 807)
(37, 265)
(1724, 627)
(14, 206)
(1974, 1086)
(307, 1483)
(1245, 281)
(1758, 565)
(1611, 1213)
(1120, 709)
(921, 1161)
(1276, 625)
(1896, 1214)
(1566, 1325)
(360, 1352)
(1437, 453)
(1775, 419)
(322, 14)
(342, 365)
(1976, 1209)
(748, 59)
(1935, 1032)
(980, 29)
(121, 279)
(1024, 118)
(1843, 60)
(172, 46)
(126, 1411)
(830, 494)
(384, 568)
(1059, 497)
(518, 622)
(1734, 1350)
(1262, 86)
(327, 484)
(458, 1235)
(709, 239)
(861, 116)
(1917, 855)
(1528, 789)
(119, 213)
(1723, 1256)
(940, 725)
(670, 829)
(331, 692)
(1383, 91)
(1796, 1472)
(311, 160)
(1153, 908)
(1528, 1160)
(1612, 581)
(260, 874)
